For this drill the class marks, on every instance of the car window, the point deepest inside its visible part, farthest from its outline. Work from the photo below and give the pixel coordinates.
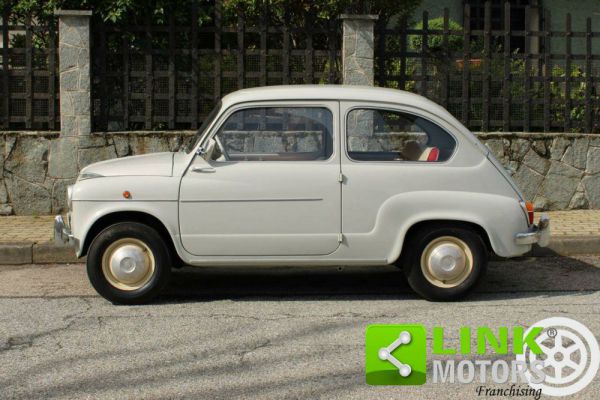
(384, 135)
(275, 134)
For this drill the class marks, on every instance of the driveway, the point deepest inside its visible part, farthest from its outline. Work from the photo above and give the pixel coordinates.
(264, 333)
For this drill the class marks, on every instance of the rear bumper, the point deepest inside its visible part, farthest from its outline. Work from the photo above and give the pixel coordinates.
(539, 233)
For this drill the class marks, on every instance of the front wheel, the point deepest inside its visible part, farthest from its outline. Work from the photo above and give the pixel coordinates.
(444, 263)
(128, 263)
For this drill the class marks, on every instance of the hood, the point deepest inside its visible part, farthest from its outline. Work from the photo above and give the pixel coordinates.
(155, 164)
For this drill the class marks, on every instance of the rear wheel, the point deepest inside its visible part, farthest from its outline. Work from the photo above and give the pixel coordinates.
(128, 263)
(444, 263)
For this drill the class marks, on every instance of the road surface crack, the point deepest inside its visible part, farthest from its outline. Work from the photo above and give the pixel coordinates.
(25, 341)
(244, 353)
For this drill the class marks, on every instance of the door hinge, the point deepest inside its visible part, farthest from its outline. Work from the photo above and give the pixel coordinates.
(340, 238)
(341, 178)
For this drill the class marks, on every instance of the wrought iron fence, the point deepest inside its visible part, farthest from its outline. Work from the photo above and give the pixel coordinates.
(29, 78)
(168, 74)
(495, 75)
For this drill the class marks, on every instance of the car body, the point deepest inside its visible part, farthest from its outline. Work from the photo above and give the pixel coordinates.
(308, 175)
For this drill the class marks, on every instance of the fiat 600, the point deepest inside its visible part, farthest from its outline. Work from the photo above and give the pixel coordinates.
(304, 175)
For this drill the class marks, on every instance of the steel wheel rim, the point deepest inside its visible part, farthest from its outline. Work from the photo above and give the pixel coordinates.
(128, 264)
(447, 262)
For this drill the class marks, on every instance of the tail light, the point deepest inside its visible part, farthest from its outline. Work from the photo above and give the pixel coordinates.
(529, 207)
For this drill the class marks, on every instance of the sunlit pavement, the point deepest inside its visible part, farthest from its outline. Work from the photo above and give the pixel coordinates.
(270, 333)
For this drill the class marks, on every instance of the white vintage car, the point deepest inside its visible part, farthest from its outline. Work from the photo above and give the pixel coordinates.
(304, 175)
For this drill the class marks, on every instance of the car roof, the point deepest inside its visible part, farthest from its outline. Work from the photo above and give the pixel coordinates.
(330, 92)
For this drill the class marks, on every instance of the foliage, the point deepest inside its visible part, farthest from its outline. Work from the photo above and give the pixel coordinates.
(435, 42)
(121, 10)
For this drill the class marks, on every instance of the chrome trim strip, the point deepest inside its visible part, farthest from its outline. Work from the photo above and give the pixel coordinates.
(247, 200)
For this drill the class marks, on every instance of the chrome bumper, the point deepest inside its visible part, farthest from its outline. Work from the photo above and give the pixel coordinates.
(62, 233)
(539, 233)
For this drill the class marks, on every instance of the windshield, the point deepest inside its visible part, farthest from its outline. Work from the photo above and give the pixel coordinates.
(205, 124)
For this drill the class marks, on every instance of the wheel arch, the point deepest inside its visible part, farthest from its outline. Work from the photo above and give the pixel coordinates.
(130, 216)
(417, 226)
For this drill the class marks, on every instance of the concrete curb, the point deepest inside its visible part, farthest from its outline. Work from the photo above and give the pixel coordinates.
(48, 253)
(36, 253)
(568, 246)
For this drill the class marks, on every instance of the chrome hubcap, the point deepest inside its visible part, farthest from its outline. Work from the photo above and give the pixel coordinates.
(128, 264)
(447, 261)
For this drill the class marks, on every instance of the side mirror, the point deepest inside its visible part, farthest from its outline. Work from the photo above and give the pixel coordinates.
(206, 151)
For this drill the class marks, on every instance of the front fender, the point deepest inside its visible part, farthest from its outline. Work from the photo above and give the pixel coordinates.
(86, 213)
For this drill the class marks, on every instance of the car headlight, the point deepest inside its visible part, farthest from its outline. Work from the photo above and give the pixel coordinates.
(88, 175)
(70, 196)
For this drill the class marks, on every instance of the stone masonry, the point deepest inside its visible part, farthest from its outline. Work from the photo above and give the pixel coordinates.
(357, 49)
(27, 186)
(557, 171)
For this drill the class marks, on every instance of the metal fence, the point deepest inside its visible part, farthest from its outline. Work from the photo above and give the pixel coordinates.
(497, 76)
(28, 83)
(168, 74)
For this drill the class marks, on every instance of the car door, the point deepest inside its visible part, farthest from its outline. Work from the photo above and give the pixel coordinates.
(268, 185)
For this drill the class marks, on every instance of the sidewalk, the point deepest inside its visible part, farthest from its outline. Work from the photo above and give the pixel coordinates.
(28, 239)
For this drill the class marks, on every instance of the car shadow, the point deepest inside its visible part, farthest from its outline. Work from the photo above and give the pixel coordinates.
(525, 277)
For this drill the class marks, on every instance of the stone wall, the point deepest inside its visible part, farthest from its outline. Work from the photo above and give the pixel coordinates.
(557, 171)
(31, 185)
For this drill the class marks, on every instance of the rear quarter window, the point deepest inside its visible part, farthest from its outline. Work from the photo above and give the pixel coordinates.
(385, 135)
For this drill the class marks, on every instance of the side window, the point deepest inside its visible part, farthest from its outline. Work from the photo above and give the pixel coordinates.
(275, 134)
(383, 135)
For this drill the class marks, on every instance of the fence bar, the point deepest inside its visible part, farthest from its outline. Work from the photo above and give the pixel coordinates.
(403, 29)
(487, 33)
(331, 35)
(195, 67)
(425, 49)
(446, 66)
(103, 109)
(125, 72)
(149, 106)
(588, 76)
(285, 62)
(263, 41)
(507, 64)
(527, 69)
(241, 53)
(308, 55)
(52, 76)
(568, 54)
(28, 75)
(217, 65)
(5, 69)
(466, 57)
(171, 72)
(547, 70)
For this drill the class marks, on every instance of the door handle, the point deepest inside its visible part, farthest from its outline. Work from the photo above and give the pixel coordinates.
(203, 169)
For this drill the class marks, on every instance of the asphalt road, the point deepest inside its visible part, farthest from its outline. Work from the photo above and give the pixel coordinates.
(273, 333)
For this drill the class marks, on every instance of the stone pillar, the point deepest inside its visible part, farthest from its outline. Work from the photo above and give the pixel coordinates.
(75, 101)
(357, 49)
(74, 70)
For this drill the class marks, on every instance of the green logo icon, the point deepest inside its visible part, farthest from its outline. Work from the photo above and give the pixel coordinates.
(396, 354)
